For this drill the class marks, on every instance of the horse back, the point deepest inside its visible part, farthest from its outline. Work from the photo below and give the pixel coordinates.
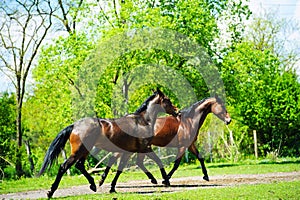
(128, 133)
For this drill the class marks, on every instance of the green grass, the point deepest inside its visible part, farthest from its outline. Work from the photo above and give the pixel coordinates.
(281, 190)
(249, 167)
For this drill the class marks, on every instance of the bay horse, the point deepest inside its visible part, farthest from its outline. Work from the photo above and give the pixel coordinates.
(180, 132)
(128, 134)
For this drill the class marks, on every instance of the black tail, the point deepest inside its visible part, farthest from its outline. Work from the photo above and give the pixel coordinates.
(55, 148)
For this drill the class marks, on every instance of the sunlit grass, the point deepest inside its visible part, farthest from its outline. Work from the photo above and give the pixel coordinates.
(246, 167)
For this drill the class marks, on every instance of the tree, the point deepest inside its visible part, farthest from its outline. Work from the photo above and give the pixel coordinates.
(270, 32)
(197, 22)
(50, 107)
(265, 96)
(59, 63)
(23, 28)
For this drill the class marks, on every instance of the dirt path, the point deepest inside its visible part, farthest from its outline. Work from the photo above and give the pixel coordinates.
(177, 184)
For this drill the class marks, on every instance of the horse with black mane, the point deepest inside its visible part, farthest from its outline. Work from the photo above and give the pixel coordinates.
(128, 134)
(180, 132)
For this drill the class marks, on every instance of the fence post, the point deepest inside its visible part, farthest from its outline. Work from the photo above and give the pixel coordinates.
(255, 143)
(209, 146)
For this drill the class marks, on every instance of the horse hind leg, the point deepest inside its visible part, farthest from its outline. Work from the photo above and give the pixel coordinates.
(80, 165)
(140, 164)
(62, 169)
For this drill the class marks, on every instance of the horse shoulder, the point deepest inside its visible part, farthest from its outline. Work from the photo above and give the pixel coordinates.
(165, 131)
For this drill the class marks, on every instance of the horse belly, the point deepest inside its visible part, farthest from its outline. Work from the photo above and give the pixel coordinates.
(121, 142)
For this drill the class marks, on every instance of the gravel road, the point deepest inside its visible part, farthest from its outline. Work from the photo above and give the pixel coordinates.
(177, 184)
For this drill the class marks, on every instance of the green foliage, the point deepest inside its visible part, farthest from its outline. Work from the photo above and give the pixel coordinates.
(260, 94)
(7, 134)
(195, 22)
(52, 107)
(55, 82)
(265, 96)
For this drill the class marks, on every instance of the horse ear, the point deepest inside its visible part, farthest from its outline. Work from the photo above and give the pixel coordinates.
(157, 89)
(218, 99)
(159, 92)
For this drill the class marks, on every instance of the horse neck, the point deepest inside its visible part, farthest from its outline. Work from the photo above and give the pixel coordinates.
(201, 114)
(151, 113)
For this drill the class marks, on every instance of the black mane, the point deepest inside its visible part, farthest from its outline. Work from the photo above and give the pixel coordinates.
(192, 107)
(144, 106)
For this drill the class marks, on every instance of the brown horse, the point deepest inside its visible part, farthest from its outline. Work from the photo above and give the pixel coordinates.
(180, 132)
(128, 134)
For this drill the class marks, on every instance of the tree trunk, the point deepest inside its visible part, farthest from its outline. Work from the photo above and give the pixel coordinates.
(19, 168)
(32, 20)
(125, 92)
(29, 154)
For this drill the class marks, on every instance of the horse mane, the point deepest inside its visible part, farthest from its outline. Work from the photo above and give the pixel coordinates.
(190, 109)
(144, 106)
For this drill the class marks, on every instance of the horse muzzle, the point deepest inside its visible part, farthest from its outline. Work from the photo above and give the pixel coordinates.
(227, 120)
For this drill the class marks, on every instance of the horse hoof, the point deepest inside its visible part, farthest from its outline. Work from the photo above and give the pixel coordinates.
(93, 187)
(112, 191)
(101, 182)
(49, 194)
(206, 178)
(154, 181)
(166, 183)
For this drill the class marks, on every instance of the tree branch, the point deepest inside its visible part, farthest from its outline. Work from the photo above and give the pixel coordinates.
(105, 16)
(76, 13)
(65, 20)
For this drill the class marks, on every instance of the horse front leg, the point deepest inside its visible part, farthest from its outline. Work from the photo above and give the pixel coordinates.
(111, 161)
(80, 165)
(195, 151)
(62, 169)
(124, 159)
(177, 161)
(156, 159)
(140, 164)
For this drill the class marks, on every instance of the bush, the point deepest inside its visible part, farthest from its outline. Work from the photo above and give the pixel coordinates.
(10, 173)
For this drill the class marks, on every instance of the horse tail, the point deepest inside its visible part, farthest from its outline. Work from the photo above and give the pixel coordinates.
(56, 147)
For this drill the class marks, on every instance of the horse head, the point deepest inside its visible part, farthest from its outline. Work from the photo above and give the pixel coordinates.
(219, 109)
(165, 103)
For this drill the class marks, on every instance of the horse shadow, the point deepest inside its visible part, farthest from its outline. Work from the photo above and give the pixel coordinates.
(165, 189)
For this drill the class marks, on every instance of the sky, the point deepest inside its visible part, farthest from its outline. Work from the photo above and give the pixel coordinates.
(285, 8)
(289, 9)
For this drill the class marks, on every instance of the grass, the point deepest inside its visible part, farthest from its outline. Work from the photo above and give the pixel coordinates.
(282, 190)
(247, 167)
